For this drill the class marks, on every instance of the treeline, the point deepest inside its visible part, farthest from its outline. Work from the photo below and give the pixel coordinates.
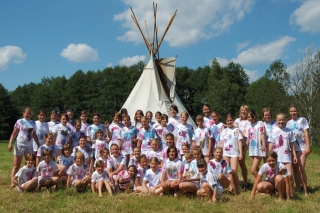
(225, 89)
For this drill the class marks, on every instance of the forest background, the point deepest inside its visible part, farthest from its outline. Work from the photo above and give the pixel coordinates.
(225, 89)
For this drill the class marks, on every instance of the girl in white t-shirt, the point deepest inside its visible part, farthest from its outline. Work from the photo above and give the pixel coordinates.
(49, 144)
(149, 116)
(210, 185)
(202, 137)
(172, 171)
(231, 143)
(62, 134)
(100, 178)
(78, 173)
(163, 129)
(145, 135)
(206, 113)
(87, 152)
(152, 179)
(242, 123)
(157, 116)
(92, 129)
(128, 138)
(84, 124)
(114, 130)
(281, 141)
(175, 119)
(300, 128)
(141, 171)
(99, 144)
(155, 152)
(48, 172)
(117, 163)
(276, 178)
(134, 159)
(191, 182)
(269, 124)
(41, 129)
(216, 127)
(77, 133)
(183, 132)
(53, 120)
(256, 140)
(137, 119)
(221, 168)
(126, 179)
(24, 131)
(26, 178)
(65, 161)
(104, 157)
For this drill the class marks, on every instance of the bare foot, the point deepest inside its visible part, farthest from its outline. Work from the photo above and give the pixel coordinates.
(214, 200)
(100, 195)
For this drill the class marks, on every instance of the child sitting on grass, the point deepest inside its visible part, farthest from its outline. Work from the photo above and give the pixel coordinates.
(48, 172)
(26, 178)
(100, 178)
(209, 183)
(126, 180)
(78, 173)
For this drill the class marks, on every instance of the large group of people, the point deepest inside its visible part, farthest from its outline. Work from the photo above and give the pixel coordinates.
(166, 156)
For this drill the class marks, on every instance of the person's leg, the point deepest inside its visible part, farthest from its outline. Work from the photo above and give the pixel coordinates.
(208, 190)
(265, 187)
(214, 195)
(16, 166)
(55, 182)
(62, 170)
(188, 187)
(158, 190)
(31, 184)
(280, 186)
(296, 171)
(223, 180)
(290, 176)
(108, 187)
(303, 158)
(255, 160)
(244, 170)
(99, 187)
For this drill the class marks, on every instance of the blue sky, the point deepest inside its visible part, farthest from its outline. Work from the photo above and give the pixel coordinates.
(54, 38)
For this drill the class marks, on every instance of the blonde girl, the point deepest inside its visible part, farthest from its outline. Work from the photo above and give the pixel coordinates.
(231, 143)
(78, 173)
(222, 170)
(145, 136)
(256, 141)
(282, 141)
(151, 183)
(53, 120)
(242, 123)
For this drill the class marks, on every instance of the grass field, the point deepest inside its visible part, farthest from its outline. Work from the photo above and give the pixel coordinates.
(68, 201)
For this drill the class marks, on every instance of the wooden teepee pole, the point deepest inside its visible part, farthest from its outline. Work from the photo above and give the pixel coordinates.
(137, 23)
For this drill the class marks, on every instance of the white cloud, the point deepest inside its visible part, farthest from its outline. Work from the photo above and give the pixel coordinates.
(253, 75)
(307, 16)
(11, 53)
(202, 19)
(222, 61)
(260, 54)
(79, 53)
(109, 64)
(132, 60)
(241, 46)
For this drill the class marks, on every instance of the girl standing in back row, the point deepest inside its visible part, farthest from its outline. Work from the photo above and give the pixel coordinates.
(24, 131)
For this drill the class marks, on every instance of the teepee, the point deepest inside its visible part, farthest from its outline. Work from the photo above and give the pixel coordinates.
(155, 89)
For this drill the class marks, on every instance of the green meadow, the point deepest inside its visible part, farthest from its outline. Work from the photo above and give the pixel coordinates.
(68, 201)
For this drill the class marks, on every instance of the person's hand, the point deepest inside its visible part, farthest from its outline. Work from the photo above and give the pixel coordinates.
(240, 157)
(307, 151)
(106, 124)
(9, 147)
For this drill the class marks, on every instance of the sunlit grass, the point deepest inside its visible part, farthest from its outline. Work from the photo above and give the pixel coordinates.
(68, 201)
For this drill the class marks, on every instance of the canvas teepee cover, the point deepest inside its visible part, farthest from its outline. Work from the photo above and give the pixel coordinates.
(155, 89)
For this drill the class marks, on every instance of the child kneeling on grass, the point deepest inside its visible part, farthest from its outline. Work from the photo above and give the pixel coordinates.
(78, 173)
(209, 183)
(26, 178)
(276, 178)
(48, 171)
(100, 178)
